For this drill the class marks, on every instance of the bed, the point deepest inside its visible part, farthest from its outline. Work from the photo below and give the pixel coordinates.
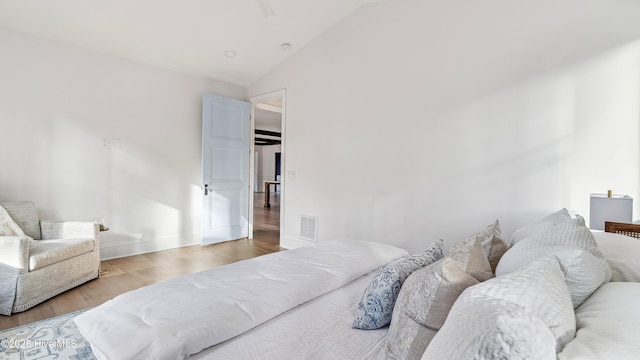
(557, 290)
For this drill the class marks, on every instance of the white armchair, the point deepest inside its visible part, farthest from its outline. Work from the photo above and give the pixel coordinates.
(62, 255)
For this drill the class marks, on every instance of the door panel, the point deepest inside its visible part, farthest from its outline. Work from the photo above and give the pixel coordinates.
(226, 142)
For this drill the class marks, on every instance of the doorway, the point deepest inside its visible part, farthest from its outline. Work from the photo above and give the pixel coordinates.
(268, 165)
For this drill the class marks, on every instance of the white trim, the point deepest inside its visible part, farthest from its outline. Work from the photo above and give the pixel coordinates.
(136, 247)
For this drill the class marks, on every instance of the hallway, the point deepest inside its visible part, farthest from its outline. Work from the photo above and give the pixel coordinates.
(266, 221)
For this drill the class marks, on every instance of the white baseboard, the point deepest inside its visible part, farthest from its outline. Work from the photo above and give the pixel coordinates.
(112, 250)
(291, 242)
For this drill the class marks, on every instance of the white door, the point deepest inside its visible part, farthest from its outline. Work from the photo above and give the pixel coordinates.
(226, 140)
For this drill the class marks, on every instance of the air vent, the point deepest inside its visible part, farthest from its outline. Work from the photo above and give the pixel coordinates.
(308, 227)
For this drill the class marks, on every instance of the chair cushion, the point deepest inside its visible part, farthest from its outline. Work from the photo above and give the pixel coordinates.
(25, 215)
(46, 252)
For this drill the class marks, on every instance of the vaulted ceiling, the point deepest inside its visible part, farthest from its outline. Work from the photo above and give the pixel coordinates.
(235, 41)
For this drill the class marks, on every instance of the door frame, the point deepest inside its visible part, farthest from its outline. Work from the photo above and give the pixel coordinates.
(282, 94)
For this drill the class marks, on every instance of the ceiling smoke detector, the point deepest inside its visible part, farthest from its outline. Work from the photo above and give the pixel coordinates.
(230, 53)
(285, 47)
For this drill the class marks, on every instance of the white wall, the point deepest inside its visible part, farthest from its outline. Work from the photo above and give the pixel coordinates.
(267, 169)
(57, 103)
(443, 116)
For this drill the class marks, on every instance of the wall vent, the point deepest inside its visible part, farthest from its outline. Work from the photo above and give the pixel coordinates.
(308, 228)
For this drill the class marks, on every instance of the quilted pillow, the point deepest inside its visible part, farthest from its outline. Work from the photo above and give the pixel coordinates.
(583, 273)
(573, 232)
(376, 306)
(488, 331)
(498, 317)
(540, 225)
(422, 307)
(622, 254)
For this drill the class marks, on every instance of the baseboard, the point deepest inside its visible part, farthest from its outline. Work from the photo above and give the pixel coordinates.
(291, 242)
(137, 247)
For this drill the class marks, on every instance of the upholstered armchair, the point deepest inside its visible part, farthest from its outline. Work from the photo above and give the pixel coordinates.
(50, 258)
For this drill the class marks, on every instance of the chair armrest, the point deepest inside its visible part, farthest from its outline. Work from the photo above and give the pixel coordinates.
(69, 229)
(14, 252)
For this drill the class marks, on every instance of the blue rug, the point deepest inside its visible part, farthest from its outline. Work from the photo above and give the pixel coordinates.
(55, 338)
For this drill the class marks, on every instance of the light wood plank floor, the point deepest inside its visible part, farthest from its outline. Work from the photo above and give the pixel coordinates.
(125, 274)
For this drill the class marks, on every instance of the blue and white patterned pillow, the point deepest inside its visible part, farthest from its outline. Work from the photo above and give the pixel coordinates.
(376, 306)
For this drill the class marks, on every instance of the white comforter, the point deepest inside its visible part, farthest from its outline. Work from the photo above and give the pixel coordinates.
(179, 317)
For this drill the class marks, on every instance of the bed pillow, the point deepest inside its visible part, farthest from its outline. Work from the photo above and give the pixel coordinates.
(572, 233)
(583, 273)
(492, 331)
(376, 306)
(489, 316)
(540, 225)
(568, 234)
(471, 258)
(422, 307)
(493, 243)
(491, 240)
(622, 253)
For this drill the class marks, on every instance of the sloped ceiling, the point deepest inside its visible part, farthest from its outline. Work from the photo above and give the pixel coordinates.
(188, 36)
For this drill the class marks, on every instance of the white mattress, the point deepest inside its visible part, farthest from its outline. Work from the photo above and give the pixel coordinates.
(318, 329)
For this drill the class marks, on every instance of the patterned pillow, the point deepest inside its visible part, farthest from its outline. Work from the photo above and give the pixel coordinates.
(472, 259)
(527, 314)
(376, 306)
(422, 307)
(491, 240)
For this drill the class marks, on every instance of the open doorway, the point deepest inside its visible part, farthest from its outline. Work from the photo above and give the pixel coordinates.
(268, 165)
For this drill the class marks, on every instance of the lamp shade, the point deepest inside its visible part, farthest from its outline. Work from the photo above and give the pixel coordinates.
(617, 208)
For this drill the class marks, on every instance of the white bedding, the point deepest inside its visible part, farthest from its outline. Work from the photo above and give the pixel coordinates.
(607, 325)
(182, 316)
(319, 329)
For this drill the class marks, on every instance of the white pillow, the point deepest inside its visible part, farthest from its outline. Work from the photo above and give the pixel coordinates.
(487, 331)
(540, 225)
(583, 273)
(577, 252)
(572, 232)
(622, 253)
(511, 302)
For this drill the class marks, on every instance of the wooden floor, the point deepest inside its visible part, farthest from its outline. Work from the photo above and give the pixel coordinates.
(125, 274)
